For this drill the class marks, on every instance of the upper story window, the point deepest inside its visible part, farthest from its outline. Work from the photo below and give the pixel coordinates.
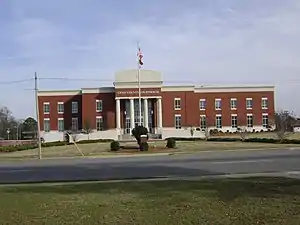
(202, 104)
(99, 105)
(74, 107)
(218, 104)
(46, 107)
(177, 103)
(233, 103)
(264, 103)
(249, 103)
(60, 107)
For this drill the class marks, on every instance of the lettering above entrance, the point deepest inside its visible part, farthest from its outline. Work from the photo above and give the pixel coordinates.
(145, 92)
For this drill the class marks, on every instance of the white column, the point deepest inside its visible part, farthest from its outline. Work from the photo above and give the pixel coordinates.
(132, 125)
(146, 113)
(118, 114)
(159, 114)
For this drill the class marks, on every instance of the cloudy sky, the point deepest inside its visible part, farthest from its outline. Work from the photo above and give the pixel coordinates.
(211, 42)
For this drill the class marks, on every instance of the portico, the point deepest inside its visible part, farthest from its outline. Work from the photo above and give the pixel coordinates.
(127, 101)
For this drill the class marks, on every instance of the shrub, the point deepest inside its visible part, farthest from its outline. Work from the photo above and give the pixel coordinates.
(114, 146)
(171, 143)
(144, 146)
(185, 139)
(224, 139)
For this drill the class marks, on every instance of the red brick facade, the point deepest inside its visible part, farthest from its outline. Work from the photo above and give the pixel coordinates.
(189, 106)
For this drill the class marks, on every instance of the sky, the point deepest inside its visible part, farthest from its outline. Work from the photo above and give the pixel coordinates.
(82, 43)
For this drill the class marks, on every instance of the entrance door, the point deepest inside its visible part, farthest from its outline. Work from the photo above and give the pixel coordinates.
(127, 125)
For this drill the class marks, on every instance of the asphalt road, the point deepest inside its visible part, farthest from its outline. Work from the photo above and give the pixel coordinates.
(283, 161)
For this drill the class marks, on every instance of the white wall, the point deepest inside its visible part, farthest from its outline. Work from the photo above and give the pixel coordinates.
(52, 136)
(95, 135)
(185, 133)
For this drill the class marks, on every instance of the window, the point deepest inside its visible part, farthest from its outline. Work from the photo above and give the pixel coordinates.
(60, 107)
(264, 103)
(177, 104)
(218, 104)
(249, 103)
(46, 125)
(46, 107)
(178, 121)
(74, 124)
(98, 105)
(265, 120)
(218, 121)
(74, 107)
(202, 104)
(61, 125)
(202, 121)
(233, 104)
(99, 123)
(249, 120)
(233, 120)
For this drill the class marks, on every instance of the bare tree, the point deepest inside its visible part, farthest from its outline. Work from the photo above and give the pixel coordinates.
(87, 128)
(192, 131)
(7, 122)
(243, 132)
(284, 122)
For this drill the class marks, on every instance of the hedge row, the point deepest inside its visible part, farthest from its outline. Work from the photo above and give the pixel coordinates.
(49, 144)
(257, 140)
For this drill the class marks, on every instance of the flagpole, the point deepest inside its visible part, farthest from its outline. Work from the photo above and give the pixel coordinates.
(139, 90)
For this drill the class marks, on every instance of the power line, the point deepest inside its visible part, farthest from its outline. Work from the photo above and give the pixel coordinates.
(15, 81)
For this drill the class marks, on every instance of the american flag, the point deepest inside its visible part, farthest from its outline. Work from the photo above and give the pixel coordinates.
(140, 57)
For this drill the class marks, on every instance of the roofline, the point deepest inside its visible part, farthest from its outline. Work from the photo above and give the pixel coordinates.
(166, 88)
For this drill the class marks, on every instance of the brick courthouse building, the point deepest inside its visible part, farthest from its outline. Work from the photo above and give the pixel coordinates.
(167, 111)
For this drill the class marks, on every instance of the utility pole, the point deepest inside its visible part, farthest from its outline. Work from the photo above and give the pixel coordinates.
(37, 115)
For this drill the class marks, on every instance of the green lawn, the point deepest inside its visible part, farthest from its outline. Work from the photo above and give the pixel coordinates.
(103, 149)
(218, 202)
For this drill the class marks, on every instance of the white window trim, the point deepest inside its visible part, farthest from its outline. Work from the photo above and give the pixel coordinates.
(99, 100)
(202, 115)
(218, 99)
(265, 114)
(60, 103)
(218, 115)
(233, 99)
(202, 100)
(262, 99)
(177, 99)
(232, 115)
(177, 115)
(47, 119)
(249, 114)
(251, 101)
(59, 119)
(46, 103)
(99, 117)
